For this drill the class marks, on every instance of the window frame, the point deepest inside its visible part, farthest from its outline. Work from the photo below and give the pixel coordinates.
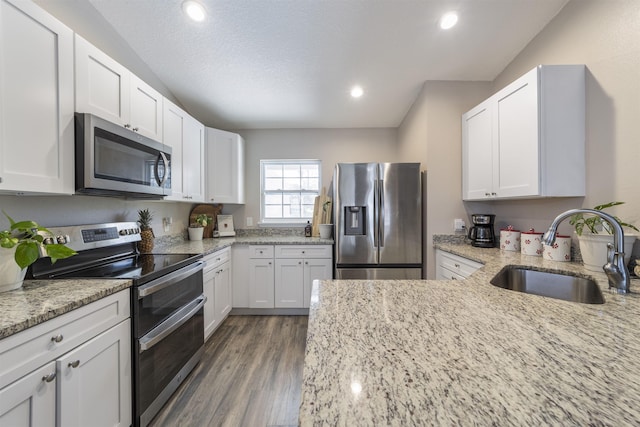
(286, 221)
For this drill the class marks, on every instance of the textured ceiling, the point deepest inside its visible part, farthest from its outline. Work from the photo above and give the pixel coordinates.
(291, 63)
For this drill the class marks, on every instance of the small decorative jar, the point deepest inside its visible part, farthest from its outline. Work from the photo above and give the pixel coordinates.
(531, 243)
(510, 239)
(560, 250)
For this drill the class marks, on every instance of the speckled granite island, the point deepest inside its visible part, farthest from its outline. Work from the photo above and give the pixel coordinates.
(444, 353)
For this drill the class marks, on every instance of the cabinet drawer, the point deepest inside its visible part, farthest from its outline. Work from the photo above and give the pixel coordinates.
(301, 251)
(27, 350)
(457, 264)
(216, 259)
(260, 251)
(446, 274)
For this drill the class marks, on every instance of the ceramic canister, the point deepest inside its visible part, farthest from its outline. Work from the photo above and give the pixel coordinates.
(531, 243)
(560, 250)
(510, 239)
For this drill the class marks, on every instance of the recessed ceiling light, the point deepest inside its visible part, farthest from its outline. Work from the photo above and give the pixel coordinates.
(356, 91)
(448, 20)
(194, 10)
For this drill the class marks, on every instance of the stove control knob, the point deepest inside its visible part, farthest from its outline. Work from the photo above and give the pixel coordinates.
(61, 240)
(123, 232)
(48, 241)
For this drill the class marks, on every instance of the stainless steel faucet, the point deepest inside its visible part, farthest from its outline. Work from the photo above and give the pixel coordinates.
(615, 269)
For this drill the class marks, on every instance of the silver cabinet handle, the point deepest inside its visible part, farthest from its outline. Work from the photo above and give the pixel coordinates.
(74, 364)
(302, 251)
(127, 126)
(57, 338)
(299, 262)
(457, 265)
(49, 378)
(306, 262)
(135, 129)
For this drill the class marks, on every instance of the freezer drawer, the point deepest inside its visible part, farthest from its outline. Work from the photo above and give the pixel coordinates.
(379, 273)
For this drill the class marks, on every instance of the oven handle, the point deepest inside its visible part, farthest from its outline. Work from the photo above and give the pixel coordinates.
(168, 280)
(167, 327)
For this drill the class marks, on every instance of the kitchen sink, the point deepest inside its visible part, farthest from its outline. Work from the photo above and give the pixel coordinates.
(553, 285)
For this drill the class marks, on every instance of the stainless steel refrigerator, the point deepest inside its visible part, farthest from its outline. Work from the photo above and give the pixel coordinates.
(378, 217)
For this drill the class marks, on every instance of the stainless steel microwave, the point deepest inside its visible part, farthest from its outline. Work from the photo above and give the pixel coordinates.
(114, 161)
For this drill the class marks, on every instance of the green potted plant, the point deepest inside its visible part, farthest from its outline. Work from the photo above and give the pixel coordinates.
(196, 229)
(24, 243)
(145, 245)
(593, 245)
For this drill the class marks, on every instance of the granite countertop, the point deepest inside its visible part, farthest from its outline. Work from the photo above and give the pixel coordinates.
(439, 352)
(207, 246)
(41, 300)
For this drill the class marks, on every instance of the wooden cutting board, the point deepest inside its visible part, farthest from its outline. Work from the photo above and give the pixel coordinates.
(211, 210)
(320, 216)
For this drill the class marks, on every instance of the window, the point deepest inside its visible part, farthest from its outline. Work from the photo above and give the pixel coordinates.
(288, 190)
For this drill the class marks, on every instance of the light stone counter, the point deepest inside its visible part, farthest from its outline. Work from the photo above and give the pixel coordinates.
(445, 353)
(41, 300)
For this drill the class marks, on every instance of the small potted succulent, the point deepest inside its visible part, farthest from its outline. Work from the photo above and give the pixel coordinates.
(145, 245)
(23, 244)
(196, 229)
(593, 245)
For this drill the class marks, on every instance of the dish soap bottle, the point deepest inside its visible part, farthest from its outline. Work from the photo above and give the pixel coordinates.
(307, 230)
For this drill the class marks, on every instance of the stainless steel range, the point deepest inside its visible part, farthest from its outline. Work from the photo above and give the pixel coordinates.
(166, 304)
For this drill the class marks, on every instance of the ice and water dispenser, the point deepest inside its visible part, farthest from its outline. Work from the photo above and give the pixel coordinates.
(354, 224)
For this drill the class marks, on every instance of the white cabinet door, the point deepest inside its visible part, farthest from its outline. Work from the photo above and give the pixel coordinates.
(222, 291)
(225, 167)
(289, 286)
(102, 84)
(261, 282)
(315, 269)
(193, 160)
(208, 288)
(109, 90)
(30, 401)
(146, 109)
(36, 101)
(173, 124)
(477, 148)
(515, 144)
(516, 149)
(94, 381)
(240, 275)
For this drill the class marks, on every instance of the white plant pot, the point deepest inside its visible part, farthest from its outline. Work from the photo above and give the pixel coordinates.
(195, 233)
(11, 276)
(325, 230)
(593, 248)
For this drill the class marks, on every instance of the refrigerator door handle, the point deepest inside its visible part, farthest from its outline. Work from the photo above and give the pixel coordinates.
(375, 213)
(381, 214)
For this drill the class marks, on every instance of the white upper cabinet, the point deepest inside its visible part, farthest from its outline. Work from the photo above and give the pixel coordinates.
(107, 89)
(528, 140)
(36, 101)
(225, 167)
(185, 136)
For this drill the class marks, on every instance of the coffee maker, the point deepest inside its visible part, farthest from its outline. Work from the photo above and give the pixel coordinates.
(482, 234)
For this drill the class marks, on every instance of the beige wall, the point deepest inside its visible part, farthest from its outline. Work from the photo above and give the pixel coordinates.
(431, 134)
(604, 35)
(329, 145)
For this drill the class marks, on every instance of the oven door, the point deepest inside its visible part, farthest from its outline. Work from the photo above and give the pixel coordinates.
(112, 159)
(166, 355)
(168, 336)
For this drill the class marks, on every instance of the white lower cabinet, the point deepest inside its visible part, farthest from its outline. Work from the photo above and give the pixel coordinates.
(217, 289)
(454, 267)
(74, 370)
(279, 276)
(30, 401)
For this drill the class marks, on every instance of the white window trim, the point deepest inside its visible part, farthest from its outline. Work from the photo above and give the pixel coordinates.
(285, 222)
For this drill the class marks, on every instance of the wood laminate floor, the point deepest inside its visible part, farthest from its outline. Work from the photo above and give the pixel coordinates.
(250, 375)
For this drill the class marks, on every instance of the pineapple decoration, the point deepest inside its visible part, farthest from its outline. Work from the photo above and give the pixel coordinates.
(145, 245)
